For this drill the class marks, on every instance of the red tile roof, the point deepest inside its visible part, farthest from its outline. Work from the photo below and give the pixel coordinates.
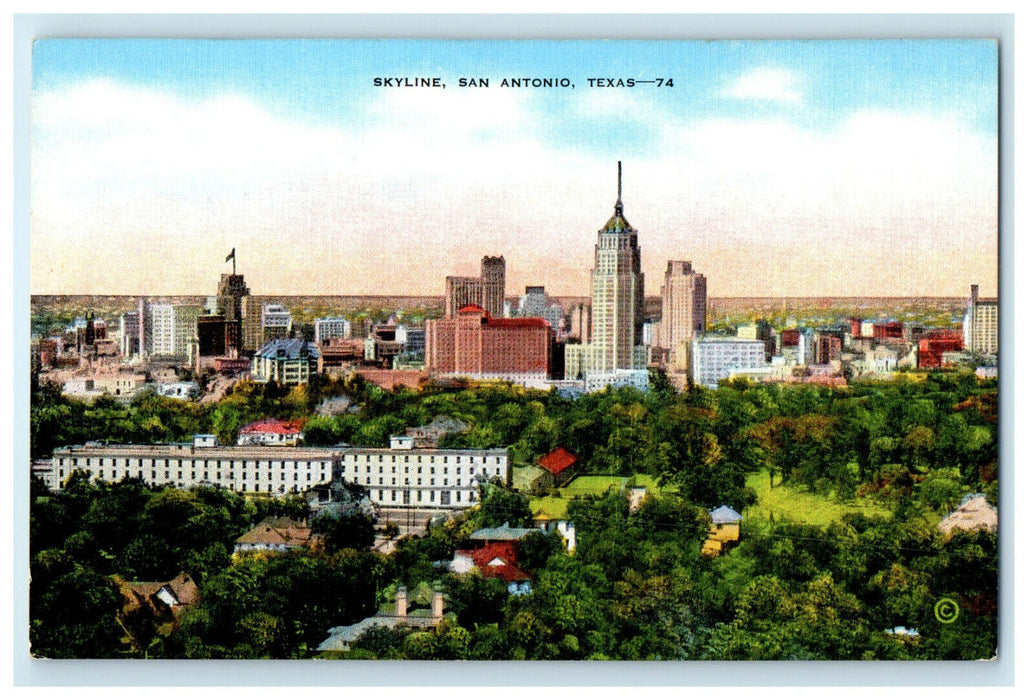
(557, 460)
(471, 308)
(503, 554)
(274, 426)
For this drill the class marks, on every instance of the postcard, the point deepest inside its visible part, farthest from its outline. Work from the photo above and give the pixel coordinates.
(514, 350)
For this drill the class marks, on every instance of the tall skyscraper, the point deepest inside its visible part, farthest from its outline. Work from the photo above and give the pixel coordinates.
(486, 291)
(494, 281)
(173, 329)
(617, 286)
(251, 323)
(231, 290)
(684, 311)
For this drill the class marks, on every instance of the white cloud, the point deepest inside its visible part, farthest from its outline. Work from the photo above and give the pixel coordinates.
(765, 84)
(125, 175)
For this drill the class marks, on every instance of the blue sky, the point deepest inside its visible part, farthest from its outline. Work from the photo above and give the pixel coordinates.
(800, 162)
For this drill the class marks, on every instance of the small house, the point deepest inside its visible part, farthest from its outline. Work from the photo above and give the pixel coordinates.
(400, 614)
(560, 464)
(724, 532)
(274, 535)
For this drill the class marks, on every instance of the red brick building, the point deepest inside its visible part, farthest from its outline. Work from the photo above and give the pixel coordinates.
(937, 342)
(475, 345)
(889, 329)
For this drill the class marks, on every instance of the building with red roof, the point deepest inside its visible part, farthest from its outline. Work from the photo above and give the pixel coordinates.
(271, 432)
(476, 345)
(495, 557)
(936, 343)
(560, 463)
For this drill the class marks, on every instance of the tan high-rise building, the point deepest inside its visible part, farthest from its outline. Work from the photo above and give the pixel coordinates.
(981, 324)
(486, 291)
(617, 286)
(494, 282)
(684, 311)
(231, 290)
(251, 323)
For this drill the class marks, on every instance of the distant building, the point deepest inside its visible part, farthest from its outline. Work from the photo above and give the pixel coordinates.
(476, 345)
(714, 358)
(486, 291)
(173, 329)
(218, 337)
(286, 361)
(179, 390)
(232, 290)
(617, 296)
(581, 322)
(614, 354)
(935, 343)
(129, 331)
(271, 432)
(684, 311)
(251, 323)
(327, 328)
(276, 322)
(822, 349)
(414, 341)
(534, 303)
(981, 324)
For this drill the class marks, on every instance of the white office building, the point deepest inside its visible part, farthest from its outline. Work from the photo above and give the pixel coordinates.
(713, 358)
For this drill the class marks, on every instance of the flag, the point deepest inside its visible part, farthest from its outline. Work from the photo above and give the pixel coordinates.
(232, 255)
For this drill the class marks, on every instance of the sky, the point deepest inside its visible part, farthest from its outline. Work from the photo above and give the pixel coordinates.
(779, 168)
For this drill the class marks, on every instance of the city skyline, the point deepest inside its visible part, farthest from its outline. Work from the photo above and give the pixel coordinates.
(797, 168)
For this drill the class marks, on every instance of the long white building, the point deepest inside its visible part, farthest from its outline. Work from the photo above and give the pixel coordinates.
(248, 469)
(403, 475)
(397, 476)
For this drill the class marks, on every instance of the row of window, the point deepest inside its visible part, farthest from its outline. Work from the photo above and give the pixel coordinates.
(115, 476)
(204, 463)
(381, 470)
(446, 497)
(406, 482)
(420, 458)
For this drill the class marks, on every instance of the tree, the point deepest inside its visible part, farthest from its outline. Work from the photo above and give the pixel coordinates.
(498, 504)
(345, 526)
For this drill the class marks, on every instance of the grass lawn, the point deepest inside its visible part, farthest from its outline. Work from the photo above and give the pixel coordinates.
(556, 508)
(795, 504)
(593, 485)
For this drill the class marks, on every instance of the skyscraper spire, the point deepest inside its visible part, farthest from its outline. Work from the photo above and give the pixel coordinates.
(618, 204)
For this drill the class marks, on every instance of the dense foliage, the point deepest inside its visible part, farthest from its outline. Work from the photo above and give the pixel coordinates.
(637, 586)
